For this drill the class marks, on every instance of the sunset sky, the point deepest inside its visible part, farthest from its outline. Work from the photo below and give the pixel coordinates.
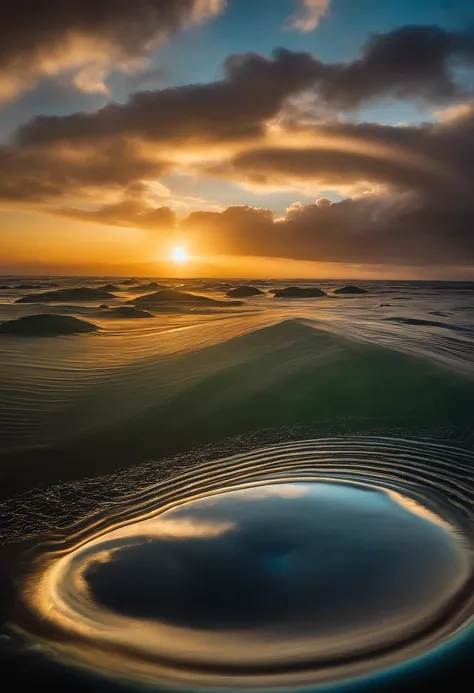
(310, 138)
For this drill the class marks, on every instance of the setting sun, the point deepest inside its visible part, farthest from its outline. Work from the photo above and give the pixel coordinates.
(237, 294)
(179, 255)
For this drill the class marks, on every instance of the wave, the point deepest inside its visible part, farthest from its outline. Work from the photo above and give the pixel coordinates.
(282, 436)
(149, 392)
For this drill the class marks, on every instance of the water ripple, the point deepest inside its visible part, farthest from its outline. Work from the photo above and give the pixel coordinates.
(256, 526)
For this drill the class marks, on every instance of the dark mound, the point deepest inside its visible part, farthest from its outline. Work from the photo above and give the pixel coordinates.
(385, 305)
(129, 282)
(127, 312)
(178, 298)
(108, 287)
(416, 321)
(149, 287)
(350, 289)
(220, 286)
(425, 323)
(244, 292)
(439, 313)
(70, 295)
(299, 292)
(47, 325)
(29, 286)
(4, 286)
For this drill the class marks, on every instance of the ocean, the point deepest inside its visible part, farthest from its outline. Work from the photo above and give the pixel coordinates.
(250, 491)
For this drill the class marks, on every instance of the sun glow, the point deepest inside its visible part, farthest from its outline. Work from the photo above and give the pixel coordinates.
(179, 255)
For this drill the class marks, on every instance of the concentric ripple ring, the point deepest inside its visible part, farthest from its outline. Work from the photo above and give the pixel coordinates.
(288, 566)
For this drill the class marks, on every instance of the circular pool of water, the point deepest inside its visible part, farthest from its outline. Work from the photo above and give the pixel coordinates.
(276, 580)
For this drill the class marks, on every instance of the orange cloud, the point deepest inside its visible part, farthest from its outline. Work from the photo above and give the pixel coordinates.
(410, 186)
(308, 15)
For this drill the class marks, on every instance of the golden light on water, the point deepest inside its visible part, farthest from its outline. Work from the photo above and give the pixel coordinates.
(140, 628)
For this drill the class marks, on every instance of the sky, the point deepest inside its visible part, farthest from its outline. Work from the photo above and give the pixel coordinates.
(282, 138)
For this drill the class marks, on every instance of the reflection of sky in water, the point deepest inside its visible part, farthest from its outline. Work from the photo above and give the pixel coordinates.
(307, 559)
(274, 579)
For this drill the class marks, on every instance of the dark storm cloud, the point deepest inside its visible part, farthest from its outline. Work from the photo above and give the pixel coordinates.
(252, 91)
(414, 63)
(28, 25)
(51, 153)
(327, 165)
(347, 157)
(424, 214)
(433, 160)
(423, 175)
(53, 174)
(372, 229)
(44, 37)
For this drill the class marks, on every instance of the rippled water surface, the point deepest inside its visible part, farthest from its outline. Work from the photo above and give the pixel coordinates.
(272, 496)
(293, 565)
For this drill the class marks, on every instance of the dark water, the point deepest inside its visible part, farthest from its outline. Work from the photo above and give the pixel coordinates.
(274, 496)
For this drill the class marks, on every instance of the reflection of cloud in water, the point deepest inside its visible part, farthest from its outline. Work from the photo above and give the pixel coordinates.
(278, 490)
(177, 527)
(269, 580)
(416, 507)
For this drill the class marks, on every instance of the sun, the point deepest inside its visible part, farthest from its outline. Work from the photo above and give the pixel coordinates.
(179, 255)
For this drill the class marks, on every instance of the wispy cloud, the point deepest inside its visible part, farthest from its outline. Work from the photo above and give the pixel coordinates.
(308, 15)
